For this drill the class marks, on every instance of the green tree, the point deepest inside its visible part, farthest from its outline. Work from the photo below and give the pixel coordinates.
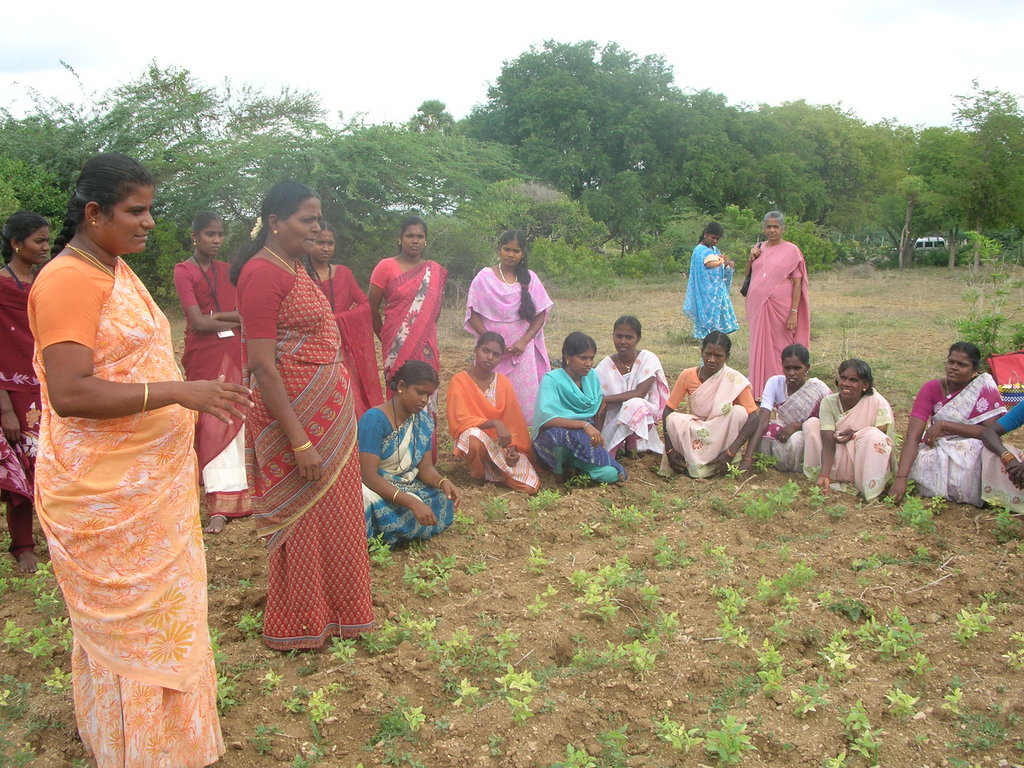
(432, 116)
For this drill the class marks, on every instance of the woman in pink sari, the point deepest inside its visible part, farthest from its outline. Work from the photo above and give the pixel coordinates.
(703, 441)
(848, 447)
(777, 307)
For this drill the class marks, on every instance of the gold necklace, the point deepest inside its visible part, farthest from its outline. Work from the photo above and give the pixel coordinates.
(287, 266)
(501, 274)
(92, 260)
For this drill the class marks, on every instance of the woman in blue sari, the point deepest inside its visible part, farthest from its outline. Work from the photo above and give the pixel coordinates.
(404, 495)
(564, 436)
(707, 300)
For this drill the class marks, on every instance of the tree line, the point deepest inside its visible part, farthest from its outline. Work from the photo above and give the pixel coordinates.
(611, 167)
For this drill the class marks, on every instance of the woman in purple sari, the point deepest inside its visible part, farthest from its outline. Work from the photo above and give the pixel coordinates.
(510, 300)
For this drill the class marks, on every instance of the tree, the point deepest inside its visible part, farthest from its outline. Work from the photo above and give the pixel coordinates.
(430, 117)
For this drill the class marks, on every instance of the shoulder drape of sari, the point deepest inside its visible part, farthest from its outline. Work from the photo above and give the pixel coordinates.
(715, 396)
(412, 304)
(352, 313)
(117, 498)
(707, 301)
(638, 416)
(469, 407)
(308, 358)
(560, 398)
(803, 403)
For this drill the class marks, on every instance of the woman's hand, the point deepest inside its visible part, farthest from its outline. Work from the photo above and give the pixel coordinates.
(755, 251)
(723, 458)
(933, 433)
(424, 515)
(512, 455)
(596, 438)
(217, 398)
(518, 347)
(11, 426)
(787, 432)
(728, 262)
(309, 464)
(677, 461)
(447, 487)
(504, 435)
(844, 435)
(898, 489)
(1015, 470)
(602, 411)
(791, 322)
(823, 482)
(746, 466)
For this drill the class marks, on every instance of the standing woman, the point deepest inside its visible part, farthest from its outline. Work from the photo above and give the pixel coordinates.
(116, 484)
(510, 299)
(778, 312)
(213, 348)
(352, 312)
(25, 246)
(707, 300)
(301, 435)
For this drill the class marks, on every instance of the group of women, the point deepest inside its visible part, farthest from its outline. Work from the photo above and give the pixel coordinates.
(282, 404)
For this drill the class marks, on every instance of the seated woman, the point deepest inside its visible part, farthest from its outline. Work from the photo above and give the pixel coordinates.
(947, 457)
(849, 442)
(635, 390)
(788, 400)
(487, 425)
(564, 436)
(404, 496)
(1002, 486)
(702, 442)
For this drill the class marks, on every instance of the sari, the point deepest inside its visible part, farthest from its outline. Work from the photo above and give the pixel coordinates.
(400, 450)
(17, 461)
(412, 304)
(497, 303)
(352, 313)
(319, 570)
(707, 300)
(636, 419)
(717, 414)
(959, 468)
(117, 499)
(220, 447)
(468, 408)
(797, 408)
(561, 448)
(768, 306)
(862, 465)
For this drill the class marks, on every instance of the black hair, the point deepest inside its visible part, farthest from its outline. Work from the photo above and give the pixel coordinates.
(799, 351)
(411, 373)
(576, 343)
(329, 227)
(18, 227)
(410, 221)
(490, 336)
(630, 322)
(203, 219)
(719, 338)
(106, 179)
(972, 352)
(863, 371)
(283, 199)
(527, 310)
(308, 260)
(713, 228)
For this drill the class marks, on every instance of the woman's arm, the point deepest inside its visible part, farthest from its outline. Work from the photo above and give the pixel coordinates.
(915, 429)
(476, 322)
(369, 463)
(9, 419)
(233, 317)
(374, 297)
(638, 391)
(828, 457)
(76, 392)
(746, 432)
(596, 438)
(209, 323)
(263, 367)
(794, 302)
(535, 325)
(428, 474)
(760, 422)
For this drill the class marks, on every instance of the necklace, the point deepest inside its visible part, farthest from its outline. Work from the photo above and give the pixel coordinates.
(287, 266)
(21, 286)
(92, 260)
(624, 367)
(502, 276)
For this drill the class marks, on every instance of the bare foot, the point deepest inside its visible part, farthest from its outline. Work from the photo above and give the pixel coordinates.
(217, 524)
(28, 562)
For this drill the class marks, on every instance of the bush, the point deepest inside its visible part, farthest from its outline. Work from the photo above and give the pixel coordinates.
(562, 263)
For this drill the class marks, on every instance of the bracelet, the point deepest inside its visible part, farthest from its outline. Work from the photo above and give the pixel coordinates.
(794, 311)
(441, 481)
(6, 410)
(898, 477)
(1006, 457)
(397, 491)
(304, 447)
(730, 454)
(145, 395)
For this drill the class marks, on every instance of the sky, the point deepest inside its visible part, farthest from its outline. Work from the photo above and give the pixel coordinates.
(905, 60)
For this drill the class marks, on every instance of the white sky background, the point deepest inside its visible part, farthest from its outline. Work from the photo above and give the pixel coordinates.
(902, 59)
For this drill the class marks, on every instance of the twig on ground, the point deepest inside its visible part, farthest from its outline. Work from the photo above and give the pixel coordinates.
(930, 584)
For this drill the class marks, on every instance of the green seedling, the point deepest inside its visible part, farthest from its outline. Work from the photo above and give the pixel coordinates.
(678, 736)
(343, 649)
(970, 624)
(1015, 656)
(58, 682)
(951, 701)
(575, 758)
(860, 736)
(251, 624)
(915, 514)
(769, 662)
(271, 681)
(901, 703)
(380, 552)
(809, 698)
(729, 742)
(837, 655)
(518, 688)
(538, 563)
(545, 499)
(468, 693)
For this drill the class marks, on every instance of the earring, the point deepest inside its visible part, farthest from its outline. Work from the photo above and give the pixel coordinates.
(17, 249)
(93, 222)
(274, 231)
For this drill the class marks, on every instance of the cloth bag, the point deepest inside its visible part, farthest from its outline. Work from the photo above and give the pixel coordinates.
(1008, 371)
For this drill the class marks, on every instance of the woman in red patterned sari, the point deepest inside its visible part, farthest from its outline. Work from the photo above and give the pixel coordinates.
(300, 435)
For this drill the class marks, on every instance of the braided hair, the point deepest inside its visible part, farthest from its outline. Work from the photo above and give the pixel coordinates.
(283, 199)
(527, 310)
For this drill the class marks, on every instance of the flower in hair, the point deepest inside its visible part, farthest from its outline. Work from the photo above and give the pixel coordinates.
(256, 228)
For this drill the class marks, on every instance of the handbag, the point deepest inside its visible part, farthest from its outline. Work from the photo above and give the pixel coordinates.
(746, 284)
(1008, 371)
(1012, 393)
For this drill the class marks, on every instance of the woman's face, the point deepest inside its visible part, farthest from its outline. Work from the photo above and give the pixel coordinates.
(297, 233)
(851, 386)
(126, 228)
(959, 369)
(413, 241)
(414, 398)
(711, 240)
(773, 231)
(323, 248)
(579, 365)
(714, 357)
(35, 248)
(794, 370)
(487, 355)
(510, 254)
(625, 340)
(209, 239)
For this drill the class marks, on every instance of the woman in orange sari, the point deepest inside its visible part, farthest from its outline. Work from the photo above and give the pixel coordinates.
(487, 425)
(116, 485)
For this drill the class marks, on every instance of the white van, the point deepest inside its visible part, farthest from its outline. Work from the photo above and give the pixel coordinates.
(930, 243)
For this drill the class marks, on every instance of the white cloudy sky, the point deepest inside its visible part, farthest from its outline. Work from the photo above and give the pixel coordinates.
(902, 59)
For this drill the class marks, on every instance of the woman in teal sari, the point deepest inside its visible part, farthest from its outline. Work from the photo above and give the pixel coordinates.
(404, 495)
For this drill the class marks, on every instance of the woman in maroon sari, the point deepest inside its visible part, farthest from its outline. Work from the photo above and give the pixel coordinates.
(26, 245)
(300, 436)
(352, 311)
(213, 348)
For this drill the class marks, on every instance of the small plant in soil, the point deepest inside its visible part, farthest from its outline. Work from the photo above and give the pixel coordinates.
(837, 655)
(380, 552)
(251, 624)
(1015, 656)
(538, 563)
(765, 505)
(544, 499)
(809, 697)
(575, 758)
(860, 736)
(901, 704)
(271, 681)
(729, 742)
(1008, 526)
(769, 662)
(518, 689)
(678, 736)
(951, 701)
(261, 738)
(915, 514)
(970, 624)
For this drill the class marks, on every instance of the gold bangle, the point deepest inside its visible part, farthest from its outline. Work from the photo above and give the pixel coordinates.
(441, 481)
(304, 447)
(1006, 457)
(145, 396)
(397, 491)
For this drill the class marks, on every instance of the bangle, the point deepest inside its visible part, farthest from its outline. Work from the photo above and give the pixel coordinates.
(395, 496)
(1006, 457)
(145, 395)
(304, 447)
(6, 410)
(794, 311)
(898, 477)
(441, 481)
(730, 454)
